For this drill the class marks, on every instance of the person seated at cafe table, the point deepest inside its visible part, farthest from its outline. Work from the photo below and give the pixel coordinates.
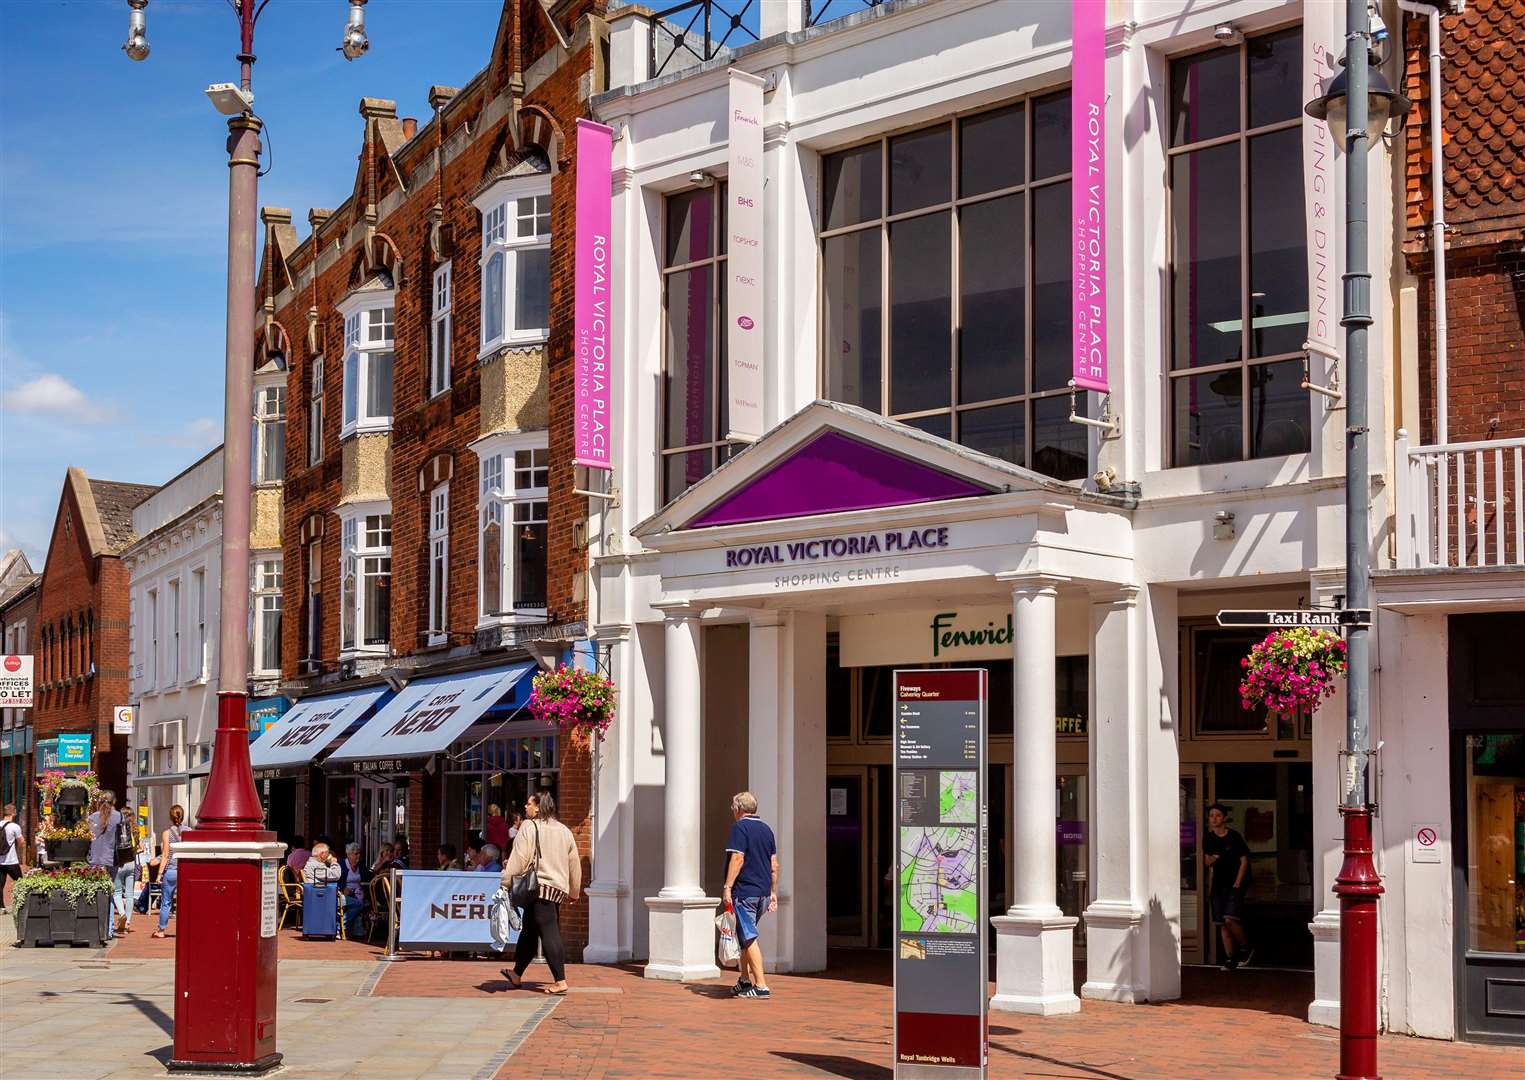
(445, 858)
(323, 868)
(384, 860)
(489, 859)
(353, 878)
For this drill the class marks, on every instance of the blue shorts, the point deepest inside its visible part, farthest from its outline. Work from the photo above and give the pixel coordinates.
(749, 912)
(1227, 905)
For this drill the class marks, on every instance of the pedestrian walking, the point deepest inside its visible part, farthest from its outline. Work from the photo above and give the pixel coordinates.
(105, 824)
(126, 861)
(169, 874)
(751, 888)
(12, 855)
(548, 847)
(1229, 857)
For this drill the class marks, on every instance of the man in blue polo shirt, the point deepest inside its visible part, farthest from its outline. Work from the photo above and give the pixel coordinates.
(751, 888)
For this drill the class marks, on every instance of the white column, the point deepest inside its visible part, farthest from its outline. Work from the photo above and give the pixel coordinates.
(1328, 827)
(1035, 942)
(781, 17)
(786, 768)
(682, 930)
(1116, 960)
(609, 914)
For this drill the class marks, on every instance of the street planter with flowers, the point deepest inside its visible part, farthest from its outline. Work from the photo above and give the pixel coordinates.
(64, 906)
(1291, 671)
(59, 788)
(67, 843)
(580, 703)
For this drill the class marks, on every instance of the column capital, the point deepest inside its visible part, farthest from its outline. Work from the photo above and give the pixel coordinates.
(1032, 582)
(677, 611)
(611, 633)
(1113, 595)
(767, 617)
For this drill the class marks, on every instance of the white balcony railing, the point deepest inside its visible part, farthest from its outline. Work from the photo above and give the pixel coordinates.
(1460, 505)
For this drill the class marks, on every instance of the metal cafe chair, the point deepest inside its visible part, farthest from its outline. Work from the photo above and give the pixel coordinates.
(291, 894)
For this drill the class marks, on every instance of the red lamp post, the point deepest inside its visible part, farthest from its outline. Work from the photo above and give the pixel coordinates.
(225, 952)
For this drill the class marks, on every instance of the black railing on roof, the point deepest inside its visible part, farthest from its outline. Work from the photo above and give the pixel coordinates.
(819, 11)
(699, 30)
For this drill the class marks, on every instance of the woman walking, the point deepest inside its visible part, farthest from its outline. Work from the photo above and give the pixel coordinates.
(547, 845)
(169, 875)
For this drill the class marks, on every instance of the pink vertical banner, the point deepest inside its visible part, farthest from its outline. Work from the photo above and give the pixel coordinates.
(591, 324)
(1088, 192)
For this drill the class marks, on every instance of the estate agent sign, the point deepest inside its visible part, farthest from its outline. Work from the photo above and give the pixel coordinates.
(15, 682)
(940, 948)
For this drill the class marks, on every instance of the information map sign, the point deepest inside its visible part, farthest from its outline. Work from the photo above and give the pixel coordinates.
(940, 945)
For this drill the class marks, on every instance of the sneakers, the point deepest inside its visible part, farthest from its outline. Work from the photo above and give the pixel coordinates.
(752, 992)
(1246, 955)
(741, 987)
(1230, 963)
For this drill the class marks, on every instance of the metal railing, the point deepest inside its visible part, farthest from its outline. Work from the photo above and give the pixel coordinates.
(695, 31)
(823, 11)
(1461, 504)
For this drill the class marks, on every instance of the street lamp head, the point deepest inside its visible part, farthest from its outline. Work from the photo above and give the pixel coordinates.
(355, 42)
(136, 45)
(1383, 103)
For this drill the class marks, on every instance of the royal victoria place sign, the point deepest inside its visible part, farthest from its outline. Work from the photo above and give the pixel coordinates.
(829, 560)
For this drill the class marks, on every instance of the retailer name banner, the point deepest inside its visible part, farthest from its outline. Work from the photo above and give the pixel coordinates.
(1320, 178)
(744, 261)
(1088, 192)
(446, 909)
(591, 300)
(940, 901)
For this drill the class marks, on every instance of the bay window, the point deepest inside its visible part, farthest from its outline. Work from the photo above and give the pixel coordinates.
(267, 444)
(516, 261)
(315, 413)
(439, 563)
(1238, 273)
(513, 526)
(369, 319)
(439, 333)
(265, 617)
(365, 588)
(945, 288)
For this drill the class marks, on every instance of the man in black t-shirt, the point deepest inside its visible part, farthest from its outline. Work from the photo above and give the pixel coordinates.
(1228, 856)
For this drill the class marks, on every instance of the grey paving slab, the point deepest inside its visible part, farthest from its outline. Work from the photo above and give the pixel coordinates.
(127, 1006)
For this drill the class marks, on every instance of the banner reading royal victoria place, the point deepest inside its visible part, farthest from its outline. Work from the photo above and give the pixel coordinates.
(591, 302)
(940, 947)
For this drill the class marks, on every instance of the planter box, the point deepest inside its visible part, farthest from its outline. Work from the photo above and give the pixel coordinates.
(50, 919)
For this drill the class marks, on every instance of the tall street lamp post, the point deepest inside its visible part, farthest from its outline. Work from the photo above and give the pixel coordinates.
(225, 955)
(1357, 106)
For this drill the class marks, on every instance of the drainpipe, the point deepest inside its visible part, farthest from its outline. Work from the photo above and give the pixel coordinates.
(1438, 216)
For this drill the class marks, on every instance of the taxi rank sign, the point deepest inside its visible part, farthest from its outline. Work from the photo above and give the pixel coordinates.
(940, 895)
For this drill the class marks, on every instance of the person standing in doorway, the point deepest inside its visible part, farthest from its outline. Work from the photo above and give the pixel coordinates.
(548, 846)
(751, 888)
(169, 874)
(12, 854)
(1228, 856)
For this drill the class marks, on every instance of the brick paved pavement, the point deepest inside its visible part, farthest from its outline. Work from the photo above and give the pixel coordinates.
(615, 1025)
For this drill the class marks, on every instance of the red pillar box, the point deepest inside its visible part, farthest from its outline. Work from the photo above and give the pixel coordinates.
(225, 947)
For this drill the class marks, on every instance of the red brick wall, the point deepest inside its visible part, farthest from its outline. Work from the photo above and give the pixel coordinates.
(1483, 119)
(78, 587)
(423, 428)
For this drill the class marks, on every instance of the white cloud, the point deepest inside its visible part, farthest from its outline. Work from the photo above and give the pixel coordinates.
(53, 395)
(199, 434)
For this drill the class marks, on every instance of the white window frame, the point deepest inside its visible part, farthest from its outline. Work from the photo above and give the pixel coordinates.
(266, 579)
(175, 612)
(499, 493)
(151, 618)
(439, 564)
(370, 329)
(312, 555)
(199, 584)
(506, 207)
(362, 554)
(315, 413)
(269, 414)
(441, 328)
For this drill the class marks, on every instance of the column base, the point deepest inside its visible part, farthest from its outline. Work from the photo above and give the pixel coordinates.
(1035, 963)
(682, 938)
(1324, 1009)
(1114, 940)
(606, 922)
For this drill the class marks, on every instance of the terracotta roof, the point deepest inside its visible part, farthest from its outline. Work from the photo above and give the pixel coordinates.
(114, 502)
(1483, 101)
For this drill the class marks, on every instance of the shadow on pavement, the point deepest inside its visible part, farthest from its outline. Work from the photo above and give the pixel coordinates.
(709, 990)
(837, 1065)
(1088, 1070)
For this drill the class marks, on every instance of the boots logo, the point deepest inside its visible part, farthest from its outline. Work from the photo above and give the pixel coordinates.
(744, 322)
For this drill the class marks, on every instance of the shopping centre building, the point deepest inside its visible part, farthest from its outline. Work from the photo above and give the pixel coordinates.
(921, 495)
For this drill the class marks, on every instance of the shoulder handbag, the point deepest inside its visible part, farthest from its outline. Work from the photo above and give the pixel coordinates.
(525, 887)
(126, 850)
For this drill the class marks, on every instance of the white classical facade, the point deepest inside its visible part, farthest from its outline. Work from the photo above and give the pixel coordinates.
(175, 568)
(753, 598)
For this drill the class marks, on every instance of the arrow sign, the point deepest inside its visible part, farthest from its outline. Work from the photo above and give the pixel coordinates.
(1332, 620)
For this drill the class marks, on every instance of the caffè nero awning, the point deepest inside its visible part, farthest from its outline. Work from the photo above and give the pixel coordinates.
(307, 728)
(425, 717)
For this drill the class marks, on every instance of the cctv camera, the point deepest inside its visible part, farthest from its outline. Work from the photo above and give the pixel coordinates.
(1227, 35)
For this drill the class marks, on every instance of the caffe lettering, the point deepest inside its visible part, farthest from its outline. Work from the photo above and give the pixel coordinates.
(302, 736)
(422, 720)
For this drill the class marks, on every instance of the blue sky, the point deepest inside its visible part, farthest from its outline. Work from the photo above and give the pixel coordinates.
(113, 212)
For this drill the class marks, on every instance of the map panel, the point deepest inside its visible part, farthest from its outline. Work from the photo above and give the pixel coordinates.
(939, 880)
(958, 797)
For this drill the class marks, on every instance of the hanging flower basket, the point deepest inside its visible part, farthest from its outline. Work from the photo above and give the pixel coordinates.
(580, 703)
(1291, 671)
(59, 788)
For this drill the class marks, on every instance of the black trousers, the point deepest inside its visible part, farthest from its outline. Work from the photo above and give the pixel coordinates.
(542, 926)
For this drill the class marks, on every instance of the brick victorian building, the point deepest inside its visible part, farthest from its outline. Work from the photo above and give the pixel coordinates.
(81, 639)
(431, 531)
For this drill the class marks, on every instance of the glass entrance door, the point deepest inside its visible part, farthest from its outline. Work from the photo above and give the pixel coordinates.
(1073, 809)
(848, 838)
(1189, 809)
